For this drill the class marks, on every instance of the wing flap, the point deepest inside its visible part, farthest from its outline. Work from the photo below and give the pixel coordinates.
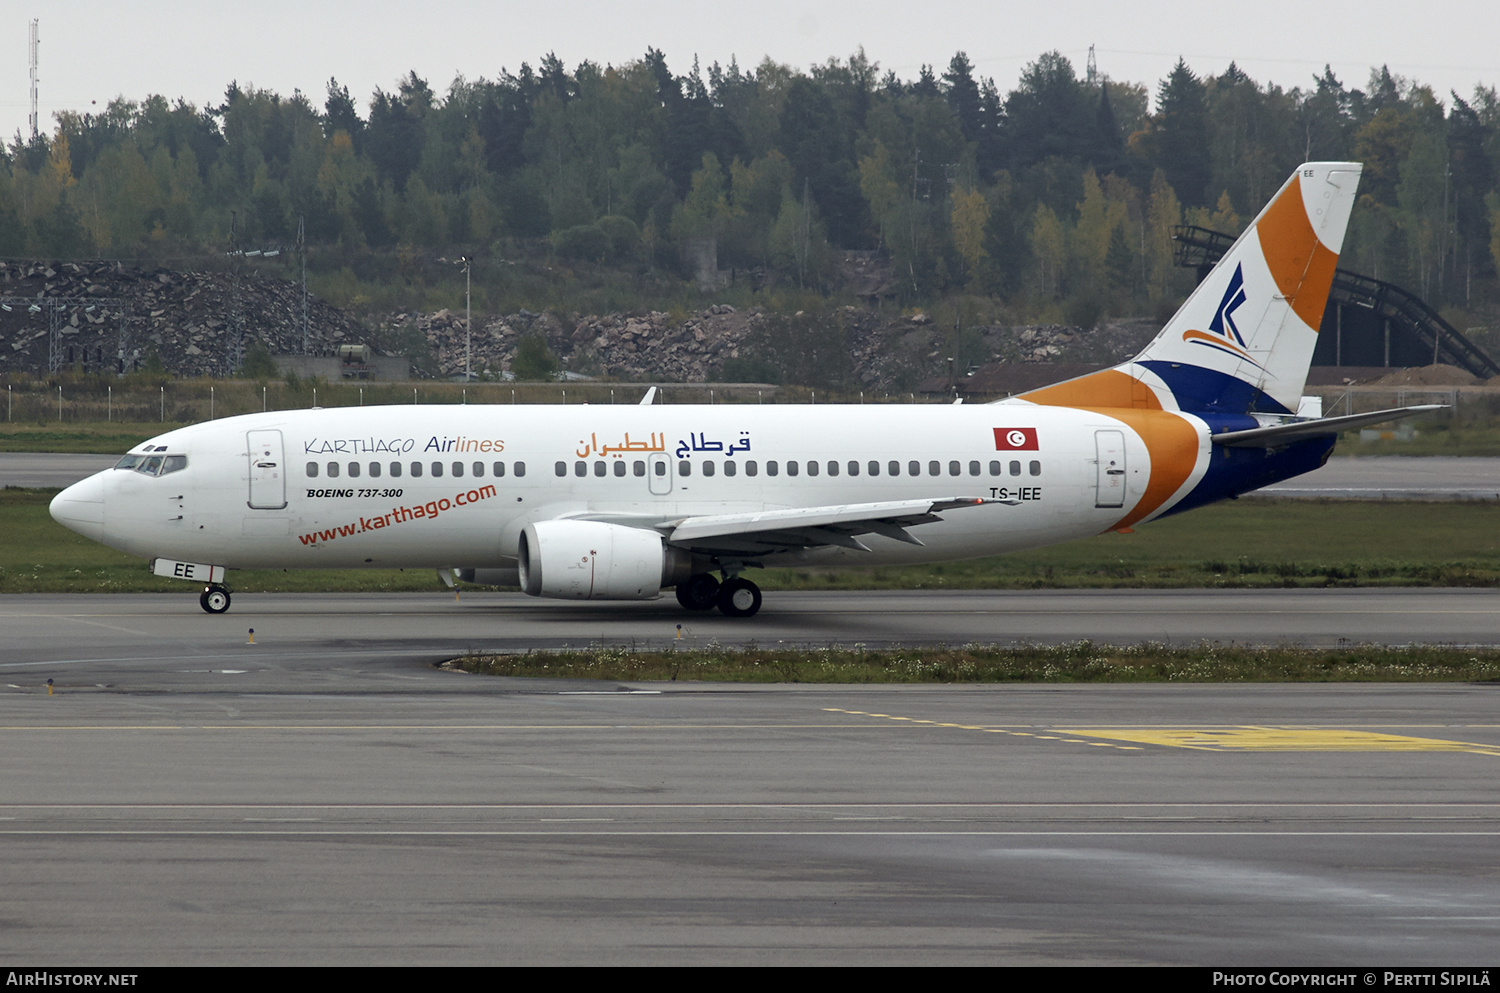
(810, 527)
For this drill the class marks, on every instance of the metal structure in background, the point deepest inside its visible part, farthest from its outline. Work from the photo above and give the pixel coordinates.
(1368, 322)
(35, 118)
(60, 354)
(302, 260)
(235, 356)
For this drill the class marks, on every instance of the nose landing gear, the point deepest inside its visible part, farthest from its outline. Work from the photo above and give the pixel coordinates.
(214, 598)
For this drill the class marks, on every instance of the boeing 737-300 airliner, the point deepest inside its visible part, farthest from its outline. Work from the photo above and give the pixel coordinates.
(619, 503)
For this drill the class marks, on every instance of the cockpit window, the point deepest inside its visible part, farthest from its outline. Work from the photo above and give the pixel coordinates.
(153, 465)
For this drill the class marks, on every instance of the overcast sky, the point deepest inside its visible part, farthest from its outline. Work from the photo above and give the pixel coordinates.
(92, 52)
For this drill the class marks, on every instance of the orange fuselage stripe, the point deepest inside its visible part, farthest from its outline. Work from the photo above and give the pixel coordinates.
(1171, 441)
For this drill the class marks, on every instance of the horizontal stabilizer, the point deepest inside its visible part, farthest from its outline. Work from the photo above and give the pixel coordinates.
(1284, 434)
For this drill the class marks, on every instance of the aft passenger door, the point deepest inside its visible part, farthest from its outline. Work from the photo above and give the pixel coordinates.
(1109, 484)
(267, 470)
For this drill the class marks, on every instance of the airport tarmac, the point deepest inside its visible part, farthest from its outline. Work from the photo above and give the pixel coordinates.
(89, 639)
(566, 823)
(328, 796)
(49, 470)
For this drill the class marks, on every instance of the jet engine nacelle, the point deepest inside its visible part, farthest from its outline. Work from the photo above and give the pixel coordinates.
(591, 560)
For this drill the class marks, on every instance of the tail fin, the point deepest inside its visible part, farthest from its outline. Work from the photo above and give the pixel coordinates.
(1244, 339)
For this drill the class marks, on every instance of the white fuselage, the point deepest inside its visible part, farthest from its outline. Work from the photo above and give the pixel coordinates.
(453, 486)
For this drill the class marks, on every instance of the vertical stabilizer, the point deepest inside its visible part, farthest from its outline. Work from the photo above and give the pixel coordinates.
(1244, 340)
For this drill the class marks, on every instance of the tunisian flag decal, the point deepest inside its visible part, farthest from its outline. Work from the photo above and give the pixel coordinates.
(1015, 440)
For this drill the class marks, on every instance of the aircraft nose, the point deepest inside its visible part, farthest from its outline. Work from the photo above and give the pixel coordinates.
(80, 507)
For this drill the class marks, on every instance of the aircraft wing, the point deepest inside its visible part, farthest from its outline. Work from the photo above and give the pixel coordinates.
(770, 531)
(1281, 434)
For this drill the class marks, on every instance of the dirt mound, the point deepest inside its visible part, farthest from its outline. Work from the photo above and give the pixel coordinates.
(1428, 375)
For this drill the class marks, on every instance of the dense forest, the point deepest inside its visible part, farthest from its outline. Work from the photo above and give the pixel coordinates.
(1054, 201)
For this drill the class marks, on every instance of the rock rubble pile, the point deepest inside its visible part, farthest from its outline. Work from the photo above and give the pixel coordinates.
(197, 323)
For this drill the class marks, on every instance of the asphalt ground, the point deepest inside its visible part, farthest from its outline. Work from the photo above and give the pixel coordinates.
(399, 815)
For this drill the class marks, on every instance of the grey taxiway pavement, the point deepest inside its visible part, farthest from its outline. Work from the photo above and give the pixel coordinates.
(328, 796)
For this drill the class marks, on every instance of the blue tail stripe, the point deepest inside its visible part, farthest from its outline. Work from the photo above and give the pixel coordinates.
(1205, 390)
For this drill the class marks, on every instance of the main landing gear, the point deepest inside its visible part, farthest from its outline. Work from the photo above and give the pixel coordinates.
(735, 597)
(214, 598)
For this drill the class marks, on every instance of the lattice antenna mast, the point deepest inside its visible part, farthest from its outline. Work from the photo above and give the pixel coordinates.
(34, 119)
(302, 258)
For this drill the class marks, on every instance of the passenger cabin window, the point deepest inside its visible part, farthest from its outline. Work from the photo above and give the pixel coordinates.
(499, 468)
(416, 470)
(561, 468)
(684, 468)
(520, 468)
(619, 467)
(791, 468)
(772, 468)
(637, 467)
(333, 470)
(752, 468)
(730, 469)
(853, 468)
(994, 467)
(954, 468)
(395, 470)
(580, 468)
(600, 469)
(353, 470)
(1036, 468)
(479, 468)
(312, 470)
(934, 469)
(458, 470)
(708, 467)
(833, 468)
(1015, 468)
(974, 467)
(374, 470)
(437, 469)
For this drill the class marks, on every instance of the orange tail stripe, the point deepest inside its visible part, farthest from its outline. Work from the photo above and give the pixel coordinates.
(1301, 265)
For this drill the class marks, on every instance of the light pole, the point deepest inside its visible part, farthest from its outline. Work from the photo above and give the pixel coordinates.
(468, 318)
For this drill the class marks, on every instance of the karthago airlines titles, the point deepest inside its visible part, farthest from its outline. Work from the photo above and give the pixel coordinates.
(399, 446)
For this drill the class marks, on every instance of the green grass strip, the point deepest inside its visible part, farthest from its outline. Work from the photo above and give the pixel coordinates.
(1080, 662)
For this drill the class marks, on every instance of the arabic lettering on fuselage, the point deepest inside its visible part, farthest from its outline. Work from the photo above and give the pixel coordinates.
(699, 443)
(658, 443)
